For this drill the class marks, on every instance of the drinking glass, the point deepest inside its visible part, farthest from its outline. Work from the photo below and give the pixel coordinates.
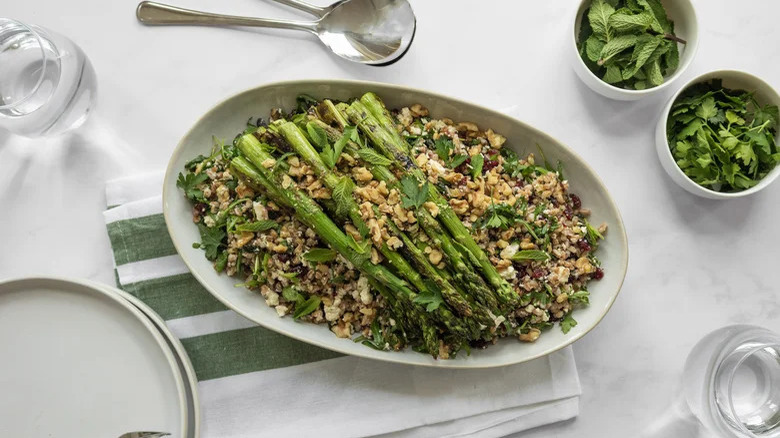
(47, 84)
(731, 382)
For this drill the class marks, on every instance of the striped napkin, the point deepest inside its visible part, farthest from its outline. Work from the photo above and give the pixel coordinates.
(255, 383)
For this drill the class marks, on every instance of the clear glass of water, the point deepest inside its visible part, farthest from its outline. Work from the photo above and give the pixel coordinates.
(47, 84)
(731, 382)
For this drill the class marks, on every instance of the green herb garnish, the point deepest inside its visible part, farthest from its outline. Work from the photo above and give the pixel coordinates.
(414, 195)
(629, 43)
(531, 255)
(723, 139)
(189, 183)
(319, 255)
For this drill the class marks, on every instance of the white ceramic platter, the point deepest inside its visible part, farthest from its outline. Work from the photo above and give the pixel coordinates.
(229, 117)
(185, 366)
(78, 361)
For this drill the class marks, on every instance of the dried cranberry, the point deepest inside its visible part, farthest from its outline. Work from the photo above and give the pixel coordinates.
(489, 164)
(575, 201)
(463, 181)
(568, 212)
(584, 245)
(537, 273)
(200, 208)
(599, 274)
(520, 183)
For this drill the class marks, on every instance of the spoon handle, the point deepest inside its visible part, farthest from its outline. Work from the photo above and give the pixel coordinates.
(158, 13)
(306, 7)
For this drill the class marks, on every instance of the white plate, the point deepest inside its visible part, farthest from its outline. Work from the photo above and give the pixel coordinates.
(80, 362)
(185, 366)
(229, 117)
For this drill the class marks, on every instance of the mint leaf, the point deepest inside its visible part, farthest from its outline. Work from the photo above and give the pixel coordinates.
(625, 22)
(306, 307)
(342, 194)
(593, 48)
(530, 255)
(371, 156)
(257, 226)
(654, 75)
(477, 161)
(318, 135)
(616, 46)
(456, 161)
(349, 133)
(642, 51)
(598, 16)
(319, 255)
(613, 75)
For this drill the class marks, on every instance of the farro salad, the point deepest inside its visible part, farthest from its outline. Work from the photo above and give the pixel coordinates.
(394, 228)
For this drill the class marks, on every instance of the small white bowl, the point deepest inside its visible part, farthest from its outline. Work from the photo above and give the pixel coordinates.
(685, 26)
(732, 79)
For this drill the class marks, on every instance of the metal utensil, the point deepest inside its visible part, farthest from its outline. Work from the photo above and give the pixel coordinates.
(375, 32)
(144, 435)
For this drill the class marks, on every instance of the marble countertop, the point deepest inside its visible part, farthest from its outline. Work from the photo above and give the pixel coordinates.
(696, 265)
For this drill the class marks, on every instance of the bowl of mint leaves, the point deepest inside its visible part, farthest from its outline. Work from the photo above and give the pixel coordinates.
(717, 137)
(627, 49)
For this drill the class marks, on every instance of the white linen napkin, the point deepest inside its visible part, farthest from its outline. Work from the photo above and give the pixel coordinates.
(324, 395)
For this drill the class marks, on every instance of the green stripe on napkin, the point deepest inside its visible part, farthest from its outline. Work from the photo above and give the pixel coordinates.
(248, 350)
(177, 296)
(221, 353)
(139, 239)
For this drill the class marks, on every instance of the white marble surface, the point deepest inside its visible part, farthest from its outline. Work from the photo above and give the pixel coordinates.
(695, 264)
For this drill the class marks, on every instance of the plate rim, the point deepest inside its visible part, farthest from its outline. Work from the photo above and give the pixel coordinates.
(127, 305)
(170, 172)
(179, 349)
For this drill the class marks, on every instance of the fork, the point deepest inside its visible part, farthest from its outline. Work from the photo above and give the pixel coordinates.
(144, 434)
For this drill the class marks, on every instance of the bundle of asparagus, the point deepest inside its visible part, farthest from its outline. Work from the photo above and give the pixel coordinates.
(441, 290)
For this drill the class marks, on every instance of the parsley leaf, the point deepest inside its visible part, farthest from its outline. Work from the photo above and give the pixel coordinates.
(443, 146)
(431, 297)
(723, 139)
(291, 294)
(414, 195)
(582, 297)
(189, 183)
(210, 240)
(500, 216)
(567, 323)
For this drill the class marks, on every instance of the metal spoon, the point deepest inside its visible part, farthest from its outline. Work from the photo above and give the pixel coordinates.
(375, 32)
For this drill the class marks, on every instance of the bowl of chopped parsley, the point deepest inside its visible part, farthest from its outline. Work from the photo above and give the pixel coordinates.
(628, 49)
(717, 137)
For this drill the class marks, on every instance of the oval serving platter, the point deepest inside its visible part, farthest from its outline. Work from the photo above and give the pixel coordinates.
(229, 117)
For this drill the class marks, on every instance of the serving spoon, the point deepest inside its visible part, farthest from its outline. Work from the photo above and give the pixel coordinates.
(374, 32)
